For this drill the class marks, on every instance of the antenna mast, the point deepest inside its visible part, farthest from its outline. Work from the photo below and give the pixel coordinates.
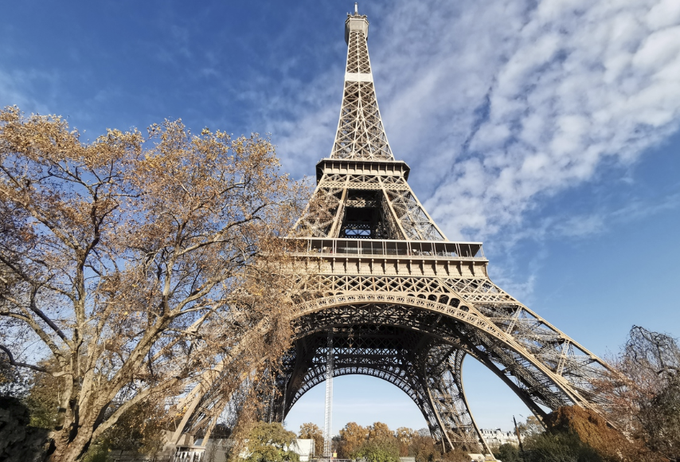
(328, 414)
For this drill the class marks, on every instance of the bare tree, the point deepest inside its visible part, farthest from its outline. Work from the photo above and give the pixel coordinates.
(644, 395)
(127, 263)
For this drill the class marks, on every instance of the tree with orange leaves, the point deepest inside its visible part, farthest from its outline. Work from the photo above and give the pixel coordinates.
(352, 437)
(128, 264)
(312, 431)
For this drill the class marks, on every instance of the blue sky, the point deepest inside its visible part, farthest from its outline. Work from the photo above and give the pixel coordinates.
(549, 129)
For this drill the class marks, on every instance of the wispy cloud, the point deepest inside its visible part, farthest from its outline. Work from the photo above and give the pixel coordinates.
(568, 85)
(302, 119)
(17, 88)
(599, 221)
(520, 282)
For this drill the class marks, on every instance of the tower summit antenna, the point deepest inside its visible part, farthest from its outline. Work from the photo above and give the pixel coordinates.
(356, 8)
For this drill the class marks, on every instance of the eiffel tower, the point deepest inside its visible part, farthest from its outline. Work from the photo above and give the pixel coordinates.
(399, 300)
(386, 294)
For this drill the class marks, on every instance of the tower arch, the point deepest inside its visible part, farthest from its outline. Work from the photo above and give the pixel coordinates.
(418, 345)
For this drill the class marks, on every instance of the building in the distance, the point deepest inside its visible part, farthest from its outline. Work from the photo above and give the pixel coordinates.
(497, 437)
(304, 448)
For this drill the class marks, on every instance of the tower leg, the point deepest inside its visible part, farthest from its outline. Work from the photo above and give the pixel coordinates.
(447, 397)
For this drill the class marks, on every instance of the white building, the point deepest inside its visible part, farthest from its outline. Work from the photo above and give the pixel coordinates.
(304, 448)
(497, 437)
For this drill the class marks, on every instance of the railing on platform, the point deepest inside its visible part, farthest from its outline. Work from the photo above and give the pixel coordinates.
(428, 249)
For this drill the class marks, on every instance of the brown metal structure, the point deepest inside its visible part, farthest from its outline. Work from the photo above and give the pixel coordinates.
(402, 302)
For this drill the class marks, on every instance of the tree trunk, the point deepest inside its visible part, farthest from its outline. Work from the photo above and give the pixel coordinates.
(67, 449)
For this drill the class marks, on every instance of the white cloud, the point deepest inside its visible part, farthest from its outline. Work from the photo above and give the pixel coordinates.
(301, 141)
(581, 83)
(663, 14)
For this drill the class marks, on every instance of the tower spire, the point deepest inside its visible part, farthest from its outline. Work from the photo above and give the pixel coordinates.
(362, 191)
(360, 133)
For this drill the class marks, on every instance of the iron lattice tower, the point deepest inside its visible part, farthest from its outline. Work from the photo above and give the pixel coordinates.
(403, 303)
(399, 300)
